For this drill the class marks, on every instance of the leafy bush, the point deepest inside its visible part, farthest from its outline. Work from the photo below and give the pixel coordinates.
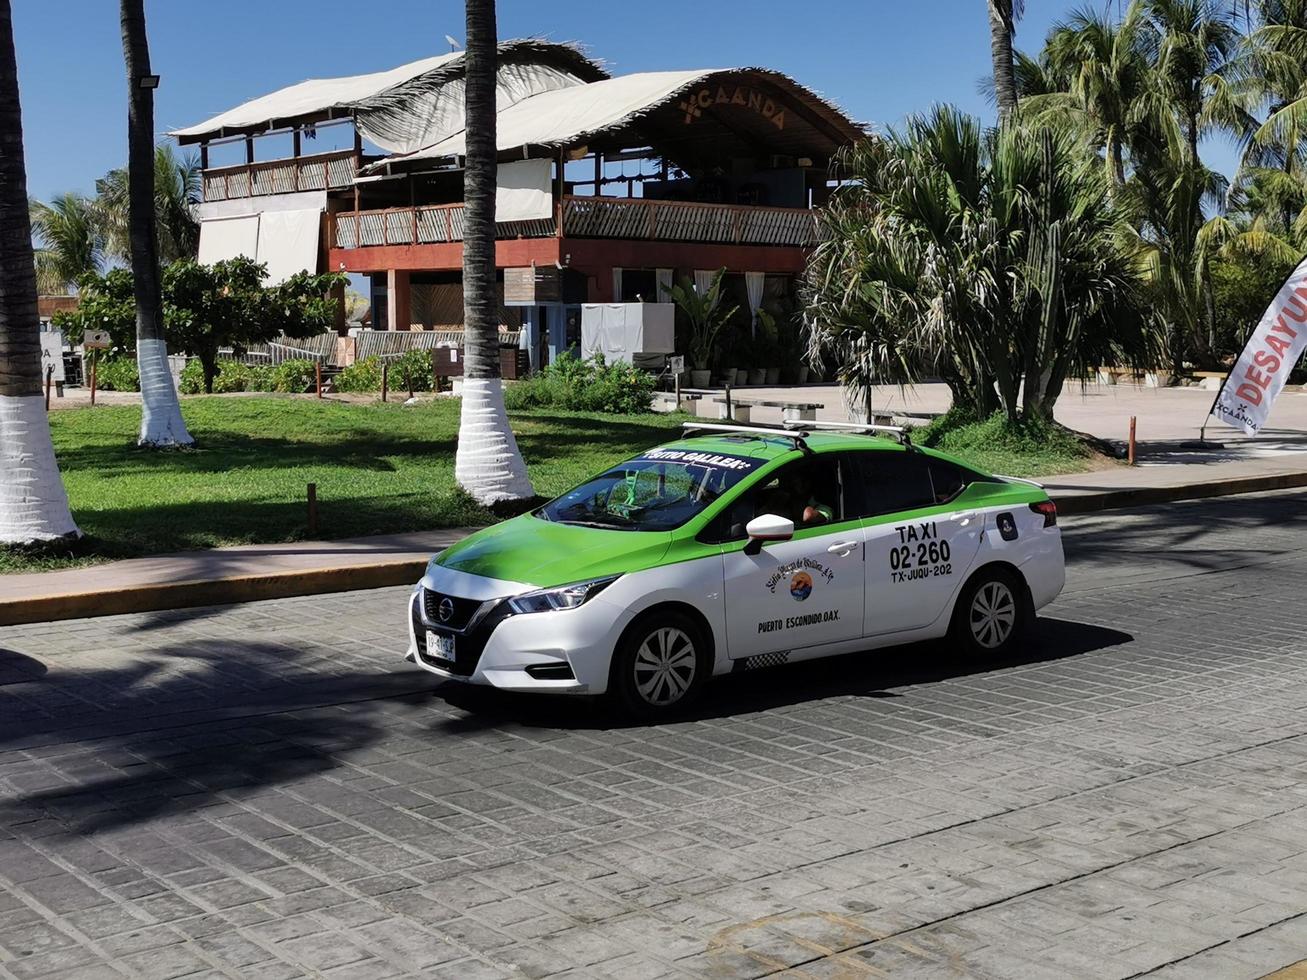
(585, 386)
(232, 376)
(118, 373)
(364, 375)
(294, 376)
(415, 367)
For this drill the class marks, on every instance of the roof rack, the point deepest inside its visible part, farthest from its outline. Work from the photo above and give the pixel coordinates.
(752, 430)
(861, 427)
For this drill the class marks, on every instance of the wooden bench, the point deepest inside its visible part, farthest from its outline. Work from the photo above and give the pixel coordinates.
(741, 409)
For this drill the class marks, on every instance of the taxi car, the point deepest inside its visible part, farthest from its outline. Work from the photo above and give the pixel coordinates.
(735, 548)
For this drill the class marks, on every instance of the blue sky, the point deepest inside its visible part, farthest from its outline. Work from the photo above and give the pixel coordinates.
(878, 59)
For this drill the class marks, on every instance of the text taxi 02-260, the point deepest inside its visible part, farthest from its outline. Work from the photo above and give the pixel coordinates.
(736, 548)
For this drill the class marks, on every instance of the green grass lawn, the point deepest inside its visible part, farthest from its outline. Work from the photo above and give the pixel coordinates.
(378, 468)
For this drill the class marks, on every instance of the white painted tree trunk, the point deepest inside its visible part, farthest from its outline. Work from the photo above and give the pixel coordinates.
(33, 504)
(488, 464)
(161, 414)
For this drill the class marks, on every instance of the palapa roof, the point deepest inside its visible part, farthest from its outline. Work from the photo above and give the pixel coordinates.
(679, 113)
(383, 92)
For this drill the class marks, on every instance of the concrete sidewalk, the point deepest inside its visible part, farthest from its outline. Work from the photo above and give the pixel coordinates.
(220, 575)
(250, 572)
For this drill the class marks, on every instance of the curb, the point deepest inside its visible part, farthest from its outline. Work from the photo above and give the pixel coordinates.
(349, 578)
(181, 595)
(1088, 503)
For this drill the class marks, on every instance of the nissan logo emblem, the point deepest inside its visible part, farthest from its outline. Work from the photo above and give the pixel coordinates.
(446, 609)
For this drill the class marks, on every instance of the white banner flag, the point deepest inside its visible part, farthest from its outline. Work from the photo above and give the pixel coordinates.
(1272, 351)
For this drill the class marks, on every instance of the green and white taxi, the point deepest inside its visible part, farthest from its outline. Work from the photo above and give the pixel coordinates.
(736, 548)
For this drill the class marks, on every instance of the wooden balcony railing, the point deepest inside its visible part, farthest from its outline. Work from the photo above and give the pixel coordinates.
(685, 221)
(424, 225)
(320, 172)
(590, 217)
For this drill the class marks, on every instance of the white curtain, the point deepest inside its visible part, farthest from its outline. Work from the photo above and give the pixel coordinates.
(226, 238)
(703, 280)
(753, 284)
(522, 191)
(617, 284)
(288, 243)
(663, 280)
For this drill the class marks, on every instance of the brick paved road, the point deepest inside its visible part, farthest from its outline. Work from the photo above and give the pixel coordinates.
(267, 790)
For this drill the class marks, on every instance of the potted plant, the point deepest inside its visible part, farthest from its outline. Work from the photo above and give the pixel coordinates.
(705, 317)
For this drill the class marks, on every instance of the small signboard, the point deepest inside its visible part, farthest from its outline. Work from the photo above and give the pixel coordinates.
(676, 364)
(52, 355)
(96, 340)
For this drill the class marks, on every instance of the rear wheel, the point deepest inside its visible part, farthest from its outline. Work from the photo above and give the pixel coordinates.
(992, 615)
(660, 665)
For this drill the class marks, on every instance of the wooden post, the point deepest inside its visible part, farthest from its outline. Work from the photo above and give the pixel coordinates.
(728, 404)
(560, 187)
(1131, 451)
(385, 379)
(313, 508)
(317, 371)
(94, 360)
(49, 377)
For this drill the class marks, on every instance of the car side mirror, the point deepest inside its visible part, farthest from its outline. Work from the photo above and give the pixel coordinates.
(767, 527)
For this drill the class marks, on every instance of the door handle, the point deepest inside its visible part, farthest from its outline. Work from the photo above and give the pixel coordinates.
(841, 548)
(966, 518)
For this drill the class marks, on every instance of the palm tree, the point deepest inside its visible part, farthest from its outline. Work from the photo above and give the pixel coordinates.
(33, 504)
(488, 463)
(161, 416)
(1193, 42)
(996, 260)
(1003, 15)
(177, 193)
(69, 240)
(1104, 70)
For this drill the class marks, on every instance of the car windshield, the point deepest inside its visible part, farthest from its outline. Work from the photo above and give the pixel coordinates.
(658, 491)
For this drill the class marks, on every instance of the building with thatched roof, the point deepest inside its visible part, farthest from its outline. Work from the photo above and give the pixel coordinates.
(608, 187)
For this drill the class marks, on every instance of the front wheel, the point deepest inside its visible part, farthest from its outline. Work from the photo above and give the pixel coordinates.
(659, 666)
(992, 615)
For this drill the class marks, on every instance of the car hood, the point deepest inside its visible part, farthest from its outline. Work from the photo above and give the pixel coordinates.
(543, 554)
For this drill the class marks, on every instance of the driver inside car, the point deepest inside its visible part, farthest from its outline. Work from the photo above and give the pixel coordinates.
(808, 509)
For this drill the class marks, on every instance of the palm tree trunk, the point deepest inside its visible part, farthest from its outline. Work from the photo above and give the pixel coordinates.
(33, 504)
(1000, 50)
(488, 463)
(161, 415)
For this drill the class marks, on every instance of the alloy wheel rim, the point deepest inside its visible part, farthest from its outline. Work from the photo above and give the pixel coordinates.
(665, 666)
(993, 614)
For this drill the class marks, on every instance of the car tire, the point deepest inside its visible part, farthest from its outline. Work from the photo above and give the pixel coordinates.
(993, 614)
(660, 666)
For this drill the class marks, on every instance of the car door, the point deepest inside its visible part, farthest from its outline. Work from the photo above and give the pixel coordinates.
(920, 537)
(803, 592)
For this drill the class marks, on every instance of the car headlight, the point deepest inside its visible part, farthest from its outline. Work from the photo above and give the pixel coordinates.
(562, 597)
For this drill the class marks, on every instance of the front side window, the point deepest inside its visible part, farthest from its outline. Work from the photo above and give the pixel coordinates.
(807, 491)
(658, 491)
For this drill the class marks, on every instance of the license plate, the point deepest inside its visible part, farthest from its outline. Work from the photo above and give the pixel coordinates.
(440, 646)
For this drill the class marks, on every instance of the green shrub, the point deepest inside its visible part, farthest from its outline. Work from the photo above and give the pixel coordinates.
(585, 386)
(118, 373)
(413, 367)
(364, 375)
(260, 377)
(232, 376)
(294, 376)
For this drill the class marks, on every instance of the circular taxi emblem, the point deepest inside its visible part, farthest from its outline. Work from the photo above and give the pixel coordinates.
(801, 586)
(446, 609)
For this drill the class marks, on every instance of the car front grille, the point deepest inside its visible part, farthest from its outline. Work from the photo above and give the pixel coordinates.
(467, 646)
(451, 612)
